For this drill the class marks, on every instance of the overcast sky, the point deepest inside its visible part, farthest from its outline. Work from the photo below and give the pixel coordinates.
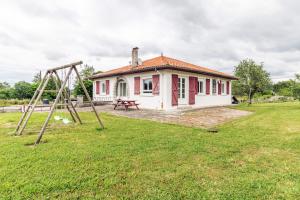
(36, 35)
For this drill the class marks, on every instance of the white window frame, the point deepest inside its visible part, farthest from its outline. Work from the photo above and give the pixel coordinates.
(120, 89)
(204, 86)
(223, 87)
(146, 92)
(102, 83)
(212, 87)
(182, 87)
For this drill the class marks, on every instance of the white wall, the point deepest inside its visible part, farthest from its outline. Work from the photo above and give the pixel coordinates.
(164, 99)
(201, 100)
(149, 101)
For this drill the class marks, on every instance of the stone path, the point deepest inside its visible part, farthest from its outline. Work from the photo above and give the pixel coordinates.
(204, 117)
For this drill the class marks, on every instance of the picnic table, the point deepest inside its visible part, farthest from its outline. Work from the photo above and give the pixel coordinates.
(125, 103)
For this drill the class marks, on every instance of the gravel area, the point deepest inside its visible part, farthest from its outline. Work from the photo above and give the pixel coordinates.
(204, 117)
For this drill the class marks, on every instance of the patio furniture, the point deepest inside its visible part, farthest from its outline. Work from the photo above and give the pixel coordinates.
(125, 103)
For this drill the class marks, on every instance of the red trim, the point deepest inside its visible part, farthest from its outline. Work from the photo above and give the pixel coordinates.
(137, 86)
(228, 87)
(162, 67)
(174, 89)
(196, 84)
(155, 82)
(97, 87)
(219, 87)
(107, 87)
(208, 86)
(192, 89)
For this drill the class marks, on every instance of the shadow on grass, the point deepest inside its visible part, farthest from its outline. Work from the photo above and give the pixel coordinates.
(32, 144)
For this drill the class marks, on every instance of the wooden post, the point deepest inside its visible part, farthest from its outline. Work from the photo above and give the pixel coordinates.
(53, 107)
(88, 96)
(33, 106)
(39, 92)
(30, 103)
(57, 84)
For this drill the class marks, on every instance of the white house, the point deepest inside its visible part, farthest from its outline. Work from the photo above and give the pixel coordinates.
(164, 83)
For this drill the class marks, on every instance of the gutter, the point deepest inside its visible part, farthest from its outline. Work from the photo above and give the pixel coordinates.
(162, 67)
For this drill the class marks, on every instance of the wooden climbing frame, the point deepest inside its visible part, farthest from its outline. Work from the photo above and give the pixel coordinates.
(61, 84)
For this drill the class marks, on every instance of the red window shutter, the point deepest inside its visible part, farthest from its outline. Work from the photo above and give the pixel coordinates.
(192, 89)
(208, 86)
(219, 87)
(196, 85)
(174, 90)
(228, 87)
(97, 87)
(107, 87)
(137, 85)
(155, 82)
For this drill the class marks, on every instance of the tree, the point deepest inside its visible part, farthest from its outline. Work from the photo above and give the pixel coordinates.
(23, 90)
(85, 73)
(4, 85)
(37, 77)
(6, 92)
(296, 92)
(284, 88)
(297, 76)
(50, 86)
(88, 85)
(252, 78)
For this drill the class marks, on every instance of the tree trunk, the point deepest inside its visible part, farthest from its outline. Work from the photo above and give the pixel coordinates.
(250, 96)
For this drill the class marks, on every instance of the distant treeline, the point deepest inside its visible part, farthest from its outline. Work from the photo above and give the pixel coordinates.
(254, 80)
(25, 90)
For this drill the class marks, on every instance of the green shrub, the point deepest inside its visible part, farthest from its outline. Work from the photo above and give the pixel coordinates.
(10, 102)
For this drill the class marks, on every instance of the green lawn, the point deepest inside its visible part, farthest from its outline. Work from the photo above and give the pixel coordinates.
(255, 157)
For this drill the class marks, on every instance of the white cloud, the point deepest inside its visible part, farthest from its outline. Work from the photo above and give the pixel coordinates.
(40, 34)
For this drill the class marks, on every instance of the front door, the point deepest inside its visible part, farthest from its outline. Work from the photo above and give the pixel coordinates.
(122, 89)
(182, 98)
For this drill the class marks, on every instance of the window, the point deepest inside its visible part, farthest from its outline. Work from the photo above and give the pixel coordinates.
(181, 88)
(103, 88)
(214, 86)
(223, 87)
(147, 85)
(201, 87)
(122, 89)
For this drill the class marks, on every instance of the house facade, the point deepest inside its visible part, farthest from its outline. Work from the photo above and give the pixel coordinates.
(164, 83)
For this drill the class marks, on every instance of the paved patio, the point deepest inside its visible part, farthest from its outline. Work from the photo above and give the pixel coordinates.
(204, 117)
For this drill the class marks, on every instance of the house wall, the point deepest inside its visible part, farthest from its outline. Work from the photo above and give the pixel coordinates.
(164, 99)
(201, 100)
(149, 101)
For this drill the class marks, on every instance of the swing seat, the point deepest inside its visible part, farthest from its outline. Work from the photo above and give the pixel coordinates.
(57, 118)
(66, 121)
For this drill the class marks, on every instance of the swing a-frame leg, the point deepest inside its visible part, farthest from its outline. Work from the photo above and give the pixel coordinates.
(20, 127)
(88, 97)
(53, 107)
(61, 84)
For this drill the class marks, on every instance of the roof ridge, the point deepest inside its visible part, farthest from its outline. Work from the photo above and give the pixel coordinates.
(207, 68)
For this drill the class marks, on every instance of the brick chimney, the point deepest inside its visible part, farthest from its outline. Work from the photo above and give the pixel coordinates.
(135, 57)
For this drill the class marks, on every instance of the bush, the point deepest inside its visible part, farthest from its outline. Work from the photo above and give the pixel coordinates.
(23, 90)
(296, 92)
(10, 102)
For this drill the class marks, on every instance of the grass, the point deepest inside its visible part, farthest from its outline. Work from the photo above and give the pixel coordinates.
(255, 157)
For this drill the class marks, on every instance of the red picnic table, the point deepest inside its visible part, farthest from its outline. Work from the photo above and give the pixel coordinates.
(126, 104)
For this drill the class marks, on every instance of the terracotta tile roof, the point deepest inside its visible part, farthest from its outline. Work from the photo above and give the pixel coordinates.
(162, 62)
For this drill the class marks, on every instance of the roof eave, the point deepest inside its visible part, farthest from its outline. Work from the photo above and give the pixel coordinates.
(163, 67)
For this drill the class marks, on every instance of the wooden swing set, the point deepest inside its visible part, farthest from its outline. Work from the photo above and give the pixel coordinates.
(62, 93)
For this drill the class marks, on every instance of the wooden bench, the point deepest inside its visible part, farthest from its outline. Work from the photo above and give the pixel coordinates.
(126, 104)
